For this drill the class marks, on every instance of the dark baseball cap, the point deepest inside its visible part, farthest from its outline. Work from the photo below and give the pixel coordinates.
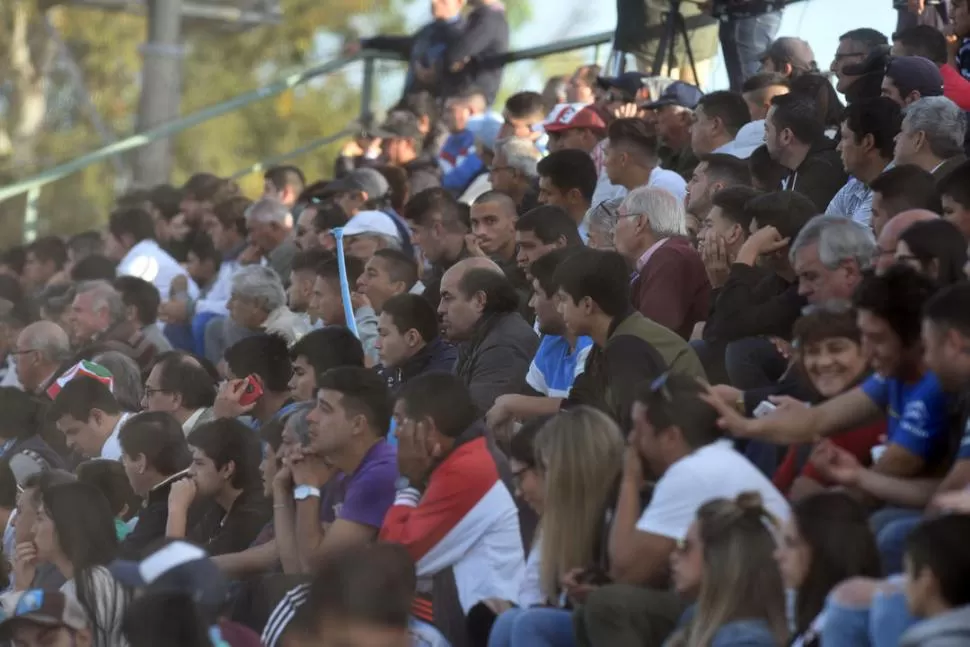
(629, 82)
(915, 73)
(791, 50)
(399, 124)
(677, 93)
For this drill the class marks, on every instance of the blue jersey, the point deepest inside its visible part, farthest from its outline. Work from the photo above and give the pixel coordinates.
(917, 413)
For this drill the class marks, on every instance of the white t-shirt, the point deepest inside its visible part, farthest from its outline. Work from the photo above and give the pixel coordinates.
(111, 449)
(669, 181)
(711, 472)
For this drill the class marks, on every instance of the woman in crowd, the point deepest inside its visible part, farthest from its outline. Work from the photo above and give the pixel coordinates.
(601, 223)
(75, 531)
(826, 541)
(727, 559)
(580, 456)
(935, 248)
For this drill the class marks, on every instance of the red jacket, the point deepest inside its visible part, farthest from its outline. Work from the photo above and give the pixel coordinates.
(955, 87)
(672, 288)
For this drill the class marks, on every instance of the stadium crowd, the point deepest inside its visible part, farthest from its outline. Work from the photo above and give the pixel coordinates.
(621, 363)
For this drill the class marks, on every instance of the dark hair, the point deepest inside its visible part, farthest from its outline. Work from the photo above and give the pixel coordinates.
(166, 199)
(264, 355)
(636, 133)
(818, 88)
(835, 527)
(674, 400)
(308, 260)
(543, 269)
(226, 440)
(80, 396)
(132, 221)
(329, 270)
(763, 81)
(923, 40)
(825, 323)
(799, 114)
(956, 184)
(87, 243)
(8, 486)
(897, 297)
(728, 169)
(549, 223)
(159, 437)
(39, 482)
(422, 208)
(94, 268)
(948, 308)
(141, 295)
(23, 414)
(907, 187)
(880, 117)
(285, 176)
(939, 544)
(733, 202)
(401, 268)
(14, 258)
(206, 187)
(786, 211)
(412, 312)
(938, 240)
(397, 180)
(500, 295)
(602, 276)
(522, 445)
(419, 104)
(49, 249)
(363, 392)
(727, 106)
(327, 348)
(182, 373)
(231, 213)
(200, 244)
(871, 38)
(570, 169)
(330, 215)
(165, 618)
(111, 480)
(442, 397)
(766, 171)
(522, 105)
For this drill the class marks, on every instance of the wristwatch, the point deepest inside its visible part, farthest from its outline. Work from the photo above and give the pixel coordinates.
(303, 492)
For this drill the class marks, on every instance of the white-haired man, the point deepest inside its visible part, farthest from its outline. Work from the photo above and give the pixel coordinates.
(671, 285)
(98, 316)
(514, 172)
(258, 304)
(41, 349)
(270, 227)
(932, 136)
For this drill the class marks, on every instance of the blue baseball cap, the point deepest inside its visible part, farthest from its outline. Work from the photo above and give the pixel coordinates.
(677, 93)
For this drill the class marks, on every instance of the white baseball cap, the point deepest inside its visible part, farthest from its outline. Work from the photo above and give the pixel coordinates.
(372, 222)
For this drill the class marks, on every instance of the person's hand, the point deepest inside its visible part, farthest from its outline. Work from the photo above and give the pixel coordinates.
(727, 393)
(375, 148)
(729, 419)
(497, 605)
(783, 346)
(283, 482)
(763, 242)
(309, 469)
(359, 300)
(500, 413)
(227, 403)
(576, 590)
(414, 460)
(786, 404)
(24, 564)
(250, 256)
(632, 462)
(626, 110)
(471, 244)
(182, 494)
(715, 257)
(954, 502)
(174, 311)
(836, 464)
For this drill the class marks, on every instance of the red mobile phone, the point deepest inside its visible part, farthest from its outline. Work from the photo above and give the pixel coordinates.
(252, 391)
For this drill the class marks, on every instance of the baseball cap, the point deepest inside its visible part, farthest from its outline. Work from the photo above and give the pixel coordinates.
(791, 50)
(366, 180)
(400, 124)
(911, 73)
(485, 129)
(48, 608)
(677, 93)
(177, 567)
(629, 82)
(568, 116)
(372, 222)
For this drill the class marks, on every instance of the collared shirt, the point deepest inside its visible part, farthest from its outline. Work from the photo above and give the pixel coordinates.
(192, 420)
(112, 447)
(148, 261)
(854, 200)
(645, 258)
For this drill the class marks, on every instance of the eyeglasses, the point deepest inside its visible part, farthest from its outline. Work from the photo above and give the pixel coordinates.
(149, 392)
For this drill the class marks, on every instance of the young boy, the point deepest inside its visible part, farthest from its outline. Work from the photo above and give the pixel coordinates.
(954, 191)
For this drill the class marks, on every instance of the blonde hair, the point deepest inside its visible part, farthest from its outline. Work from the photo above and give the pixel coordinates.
(581, 451)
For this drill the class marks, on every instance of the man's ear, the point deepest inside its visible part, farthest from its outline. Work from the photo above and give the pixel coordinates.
(227, 471)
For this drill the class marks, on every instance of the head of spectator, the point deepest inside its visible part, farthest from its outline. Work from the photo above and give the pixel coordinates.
(647, 216)
(203, 260)
(792, 127)
(789, 56)
(54, 305)
(269, 224)
(316, 220)
(97, 307)
(80, 246)
(44, 619)
(225, 461)
(201, 193)
(361, 189)
(925, 41)
(786, 212)
(369, 231)
(673, 113)
(41, 348)
(177, 384)
(888, 239)
(44, 258)
(829, 256)
(441, 404)
(126, 380)
(126, 228)
(766, 173)
(760, 89)
(571, 127)
(493, 217)
(88, 415)
(618, 91)
(283, 183)
(439, 224)
(581, 87)
(594, 290)
(632, 153)
(389, 272)
(256, 293)
(514, 168)
(141, 300)
(867, 137)
(714, 173)
(303, 274)
(542, 230)
(530, 484)
(567, 179)
(818, 88)
(946, 336)
(29, 501)
(830, 352)
(316, 353)
(729, 219)
(164, 203)
(902, 188)
(458, 110)
(408, 324)
(94, 268)
(911, 78)
(473, 291)
(728, 563)
(937, 567)
(399, 182)
(267, 358)
(401, 138)
(954, 189)
(327, 303)
(523, 111)
(717, 119)
(545, 291)
(934, 248)
(153, 449)
(933, 131)
(854, 47)
(601, 223)
(111, 480)
(226, 225)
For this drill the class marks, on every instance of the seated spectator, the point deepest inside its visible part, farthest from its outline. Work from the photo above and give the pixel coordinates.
(28, 572)
(673, 111)
(719, 121)
(80, 246)
(179, 385)
(724, 232)
(98, 316)
(542, 230)
(514, 171)
(403, 144)
(868, 132)
(522, 112)
(760, 89)
(54, 305)
(270, 226)
(23, 446)
(155, 454)
(888, 239)
(205, 267)
(567, 179)
(486, 132)
(44, 617)
(459, 148)
(126, 377)
(829, 256)
(266, 359)
(796, 139)
(318, 352)
(493, 217)
(479, 311)
(453, 512)
(934, 248)
(575, 127)
(628, 348)
(902, 188)
(225, 471)
(368, 231)
(44, 263)
(854, 47)
(258, 304)
(141, 304)
(930, 43)
(89, 417)
(316, 218)
(602, 221)
(110, 479)
(387, 274)
(954, 191)
(932, 136)
(670, 284)
(327, 303)
(714, 173)
(632, 160)
(908, 79)
(283, 183)
(408, 341)
(439, 225)
(791, 57)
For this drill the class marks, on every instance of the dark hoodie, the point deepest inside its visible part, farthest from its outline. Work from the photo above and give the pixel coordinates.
(484, 39)
(820, 175)
(435, 356)
(429, 47)
(423, 173)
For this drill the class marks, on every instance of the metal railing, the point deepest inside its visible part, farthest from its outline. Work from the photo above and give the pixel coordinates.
(33, 186)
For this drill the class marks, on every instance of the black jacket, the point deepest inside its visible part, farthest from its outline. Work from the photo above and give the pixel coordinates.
(483, 41)
(436, 356)
(221, 532)
(820, 175)
(753, 302)
(153, 519)
(429, 47)
(495, 361)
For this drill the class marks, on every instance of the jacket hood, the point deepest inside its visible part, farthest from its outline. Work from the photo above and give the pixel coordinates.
(947, 628)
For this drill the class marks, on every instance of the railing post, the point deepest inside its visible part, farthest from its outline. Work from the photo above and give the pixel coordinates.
(596, 54)
(30, 215)
(367, 92)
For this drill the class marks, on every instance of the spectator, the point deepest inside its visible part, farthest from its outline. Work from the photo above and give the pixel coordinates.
(28, 571)
(178, 385)
(126, 378)
(725, 230)
(854, 47)
(201, 192)
(766, 173)
(670, 286)
(283, 183)
(89, 417)
(408, 343)
(369, 231)
(582, 85)
(542, 230)
(226, 226)
(795, 139)
(266, 358)
(471, 541)
(258, 303)
(457, 158)
(791, 57)
(80, 246)
(714, 173)
(911, 78)
(327, 303)
(155, 455)
(41, 348)
(888, 239)
(212, 275)
(224, 470)
(403, 146)
(110, 479)
(439, 224)
(868, 132)
(934, 248)
(54, 304)
(930, 43)
(44, 262)
(567, 179)
(141, 301)
(829, 256)
(719, 120)
(315, 225)
(270, 228)
(303, 276)
(828, 106)
(632, 160)
(523, 111)
(171, 227)
(932, 136)
(954, 189)
(493, 217)
(479, 310)
(899, 189)
(514, 171)
(98, 316)
(387, 274)
(573, 127)
(760, 89)
(318, 352)
(24, 449)
(478, 51)
(49, 616)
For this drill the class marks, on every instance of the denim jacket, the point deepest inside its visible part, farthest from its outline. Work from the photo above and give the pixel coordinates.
(745, 633)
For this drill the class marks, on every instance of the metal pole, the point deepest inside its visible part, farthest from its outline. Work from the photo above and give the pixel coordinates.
(367, 93)
(30, 215)
(161, 88)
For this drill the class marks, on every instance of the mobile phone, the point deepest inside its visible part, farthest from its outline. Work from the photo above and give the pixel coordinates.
(252, 391)
(764, 408)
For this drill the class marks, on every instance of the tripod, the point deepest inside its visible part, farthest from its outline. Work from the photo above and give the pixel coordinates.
(674, 26)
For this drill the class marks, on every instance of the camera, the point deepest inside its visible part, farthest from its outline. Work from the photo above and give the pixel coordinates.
(904, 4)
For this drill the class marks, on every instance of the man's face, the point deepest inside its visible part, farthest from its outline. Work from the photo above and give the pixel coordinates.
(326, 303)
(547, 311)
(880, 344)
(645, 439)
(626, 236)
(303, 383)
(702, 133)
(209, 480)
(530, 248)
(580, 139)
(848, 53)
(549, 193)
(615, 163)
(300, 292)
(907, 145)
(502, 177)
(456, 114)
(219, 235)
(946, 352)
(957, 214)
(817, 283)
(459, 314)
(263, 235)
(578, 91)
(30, 634)
(306, 236)
(84, 437)
(375, 283)
(493, 227)
(853, 151)
(155, 399)
(429, 237)
(889, 90)
(673, 125)
(723, 226)
(576, 317)
(37, 272)
(330, 428)
(246, 312)
(699, 191)
(201, 271)
(773, 141)
(392, 346)
(518, 127)
(882, 213)
(86, 321)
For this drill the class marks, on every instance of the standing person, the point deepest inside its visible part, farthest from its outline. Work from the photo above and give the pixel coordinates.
(742, 42)
(474, 57)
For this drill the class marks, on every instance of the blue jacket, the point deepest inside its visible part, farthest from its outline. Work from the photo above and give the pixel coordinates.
(459, 162)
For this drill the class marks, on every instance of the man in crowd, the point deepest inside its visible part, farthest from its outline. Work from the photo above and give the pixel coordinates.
(258, 304)
(911, 78)
(543, 230)
(402, 145)
(930, 43)
(632, 160)
(387, 274)
(718, 121)
(523, 111)
(582, 85)
(829, 257)
(513, 171)
(41, 349)
(854, 47)
(302, 277)
(901, 188)
(955, 193)
(409, 343)
(368, 231)
(270, 236)
(98, 315)
(178, 385)
(572, 127)
(760, 89)
(567, 179)
(725, 229)
(439, 225)
(932, 136)
(673, 111)
(318, 352)
(283, 183)
(45, 259)
(141, 301)
(890, 233)
(45, 618)
(791, 57)
(493, 217)
(90, 418)
(714, 173)
(266, 359)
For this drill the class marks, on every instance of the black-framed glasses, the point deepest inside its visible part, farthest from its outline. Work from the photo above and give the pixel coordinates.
(149, 392)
